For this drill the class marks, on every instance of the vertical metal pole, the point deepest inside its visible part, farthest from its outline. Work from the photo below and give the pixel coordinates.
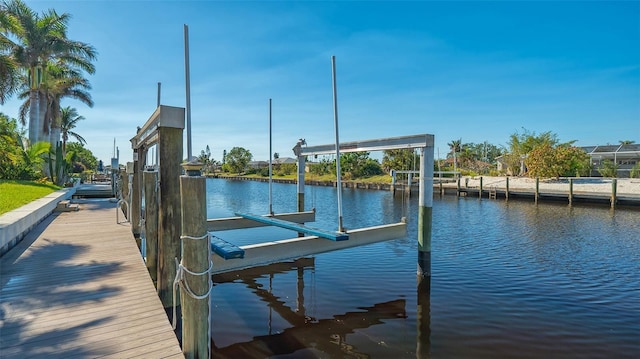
(159, 85)
(425, 205)
(335, 118)
(188, 89)
(270, 164)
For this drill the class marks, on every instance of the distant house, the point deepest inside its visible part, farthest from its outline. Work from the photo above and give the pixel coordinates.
(258, 164)
(503, 166)
(625, 156)
(284, 160)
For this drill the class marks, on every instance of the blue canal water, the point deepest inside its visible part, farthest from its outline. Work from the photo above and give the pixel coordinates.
(509, 280)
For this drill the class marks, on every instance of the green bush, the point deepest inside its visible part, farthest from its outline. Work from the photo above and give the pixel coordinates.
(608, 169)
(635, 171)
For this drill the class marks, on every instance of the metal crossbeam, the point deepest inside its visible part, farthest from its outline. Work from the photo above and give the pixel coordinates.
(334, 236)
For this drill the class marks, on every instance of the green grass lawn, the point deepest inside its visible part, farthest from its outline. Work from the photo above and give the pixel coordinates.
(14, 194)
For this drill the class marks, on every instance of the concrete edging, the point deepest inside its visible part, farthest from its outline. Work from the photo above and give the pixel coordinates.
(14, 225)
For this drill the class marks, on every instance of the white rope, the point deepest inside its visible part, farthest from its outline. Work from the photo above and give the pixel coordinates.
(180, 280)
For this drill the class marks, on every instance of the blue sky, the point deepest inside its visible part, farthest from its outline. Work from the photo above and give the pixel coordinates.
(478, 71)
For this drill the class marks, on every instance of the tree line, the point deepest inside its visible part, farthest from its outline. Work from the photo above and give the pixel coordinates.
(41, 66)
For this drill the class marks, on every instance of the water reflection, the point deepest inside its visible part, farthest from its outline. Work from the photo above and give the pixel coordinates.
(307, 334)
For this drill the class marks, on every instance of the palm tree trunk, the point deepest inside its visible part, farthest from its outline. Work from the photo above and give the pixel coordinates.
(34, 123)
(44, 125)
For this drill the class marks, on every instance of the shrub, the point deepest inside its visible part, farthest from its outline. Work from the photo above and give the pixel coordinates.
(635, 171)
(608, 169)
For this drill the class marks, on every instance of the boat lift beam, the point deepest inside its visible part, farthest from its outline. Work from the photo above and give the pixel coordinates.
(334, 236)
(391, 143)
(288, 249)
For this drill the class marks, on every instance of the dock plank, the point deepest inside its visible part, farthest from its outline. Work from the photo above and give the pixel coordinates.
(77, 287)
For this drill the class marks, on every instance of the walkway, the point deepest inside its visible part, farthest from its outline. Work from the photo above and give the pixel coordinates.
(77, 287)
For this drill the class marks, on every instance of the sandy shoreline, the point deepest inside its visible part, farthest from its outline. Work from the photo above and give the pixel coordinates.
(584, 184)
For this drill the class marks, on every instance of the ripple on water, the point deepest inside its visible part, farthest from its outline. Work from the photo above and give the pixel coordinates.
(509, 280)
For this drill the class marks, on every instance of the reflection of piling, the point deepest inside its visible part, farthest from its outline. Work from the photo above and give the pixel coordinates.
(195, 278)
(425, 204)
(423, 318)
(150, 180)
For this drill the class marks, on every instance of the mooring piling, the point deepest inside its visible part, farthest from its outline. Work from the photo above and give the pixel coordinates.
(150, 180)
(425, 205)
(614, 192)
(195, 265)
(570, 191)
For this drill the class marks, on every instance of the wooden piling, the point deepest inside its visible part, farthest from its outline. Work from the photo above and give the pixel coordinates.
(124, 192)
(135, 197)
(195, 258)
(480, 192)
(537, 193)
(150, 180)
(425, 211)
(458, 188)
(506, 192)
(614, 192)
(570, 191)
(170, 146)
(441, 188)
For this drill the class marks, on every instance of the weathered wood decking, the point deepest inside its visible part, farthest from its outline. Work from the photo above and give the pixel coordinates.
(77, 287)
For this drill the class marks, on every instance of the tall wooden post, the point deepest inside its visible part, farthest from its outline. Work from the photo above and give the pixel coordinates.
(570, 191)
(441, 189)
(537, 190)
(480, 192)
(196, 259)
(458, 187)
(614, 192)
(425, 205)
(124, 191)
(135, 196)
(506, 193)
(150, 179)
(170, 146)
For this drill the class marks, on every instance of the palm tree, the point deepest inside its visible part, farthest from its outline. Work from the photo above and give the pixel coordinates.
(41, 38)
(455, 147)
(9, 74)
(68, 119)
(60, 81)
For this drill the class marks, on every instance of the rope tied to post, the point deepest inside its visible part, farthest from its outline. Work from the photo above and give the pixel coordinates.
(180, 279)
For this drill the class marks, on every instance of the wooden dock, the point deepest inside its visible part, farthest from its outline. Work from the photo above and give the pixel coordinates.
(77, 287)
